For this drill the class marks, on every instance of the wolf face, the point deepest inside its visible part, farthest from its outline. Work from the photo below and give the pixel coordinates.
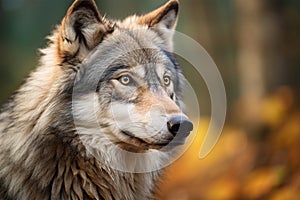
(128, 84)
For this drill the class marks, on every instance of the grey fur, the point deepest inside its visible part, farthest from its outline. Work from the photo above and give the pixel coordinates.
(43, 154)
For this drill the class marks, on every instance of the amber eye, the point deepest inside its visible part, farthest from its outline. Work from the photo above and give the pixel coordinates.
(167, 80)
(125, 79)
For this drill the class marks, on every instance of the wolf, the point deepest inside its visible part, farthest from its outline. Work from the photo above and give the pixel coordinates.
(101, 114)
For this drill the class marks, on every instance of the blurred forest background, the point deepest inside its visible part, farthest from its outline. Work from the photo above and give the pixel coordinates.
(256, 46)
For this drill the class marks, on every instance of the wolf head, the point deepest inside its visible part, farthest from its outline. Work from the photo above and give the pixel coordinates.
(127, 84)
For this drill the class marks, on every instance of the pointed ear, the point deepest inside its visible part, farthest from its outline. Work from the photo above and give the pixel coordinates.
(163, 17)
(81, 30)
(164, 20)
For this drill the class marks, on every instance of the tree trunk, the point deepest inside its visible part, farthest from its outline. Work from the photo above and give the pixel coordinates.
(250, 32)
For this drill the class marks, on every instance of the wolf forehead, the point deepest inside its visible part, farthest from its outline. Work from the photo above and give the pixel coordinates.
(127, 49)
(130, 50)
(138, 46)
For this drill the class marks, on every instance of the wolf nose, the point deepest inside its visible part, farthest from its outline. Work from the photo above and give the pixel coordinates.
(180, 125)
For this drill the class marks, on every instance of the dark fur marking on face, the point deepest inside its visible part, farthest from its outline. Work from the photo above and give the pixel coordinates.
(153, 79)
(171, 57)
(109, 73)
(118, 98)
(176, 66)
(121, 99)
(172, 96)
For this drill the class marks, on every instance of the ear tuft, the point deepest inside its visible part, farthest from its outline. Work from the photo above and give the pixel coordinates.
(81, 30)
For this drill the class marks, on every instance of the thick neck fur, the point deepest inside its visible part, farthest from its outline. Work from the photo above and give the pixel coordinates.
(41, 156)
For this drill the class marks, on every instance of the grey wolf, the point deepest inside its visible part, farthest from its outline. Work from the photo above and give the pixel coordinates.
(100, 115)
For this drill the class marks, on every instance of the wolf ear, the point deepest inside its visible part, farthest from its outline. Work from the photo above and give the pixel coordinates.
(81, 30)
(163, 19)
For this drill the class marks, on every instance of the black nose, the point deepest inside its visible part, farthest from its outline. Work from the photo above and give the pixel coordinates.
(180, 125)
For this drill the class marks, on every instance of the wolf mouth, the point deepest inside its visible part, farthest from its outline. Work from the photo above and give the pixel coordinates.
(174, 142)
(131, 137)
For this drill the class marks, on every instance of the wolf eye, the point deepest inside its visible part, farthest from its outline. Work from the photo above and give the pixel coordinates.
(125, 80)
(167, 80)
